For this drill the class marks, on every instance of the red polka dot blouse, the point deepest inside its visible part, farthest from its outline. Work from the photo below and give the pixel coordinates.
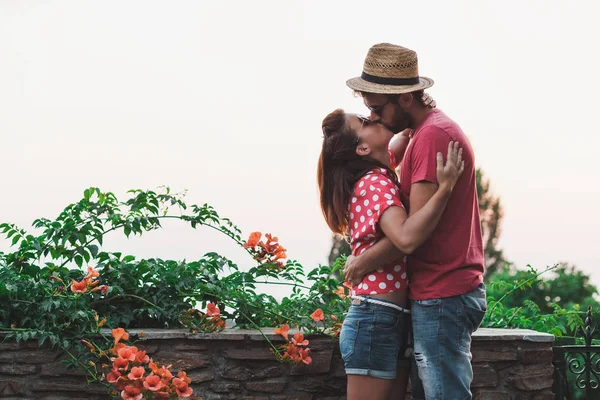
(372, 195)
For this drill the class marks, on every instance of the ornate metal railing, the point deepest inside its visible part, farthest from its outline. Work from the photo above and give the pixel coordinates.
(577, 368)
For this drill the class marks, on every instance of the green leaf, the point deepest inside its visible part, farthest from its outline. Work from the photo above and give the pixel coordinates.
(93, 250)
(42, 339)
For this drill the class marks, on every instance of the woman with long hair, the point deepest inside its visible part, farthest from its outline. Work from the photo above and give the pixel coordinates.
(360, 199)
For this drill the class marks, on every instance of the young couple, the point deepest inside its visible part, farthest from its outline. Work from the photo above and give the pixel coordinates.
(417, 257)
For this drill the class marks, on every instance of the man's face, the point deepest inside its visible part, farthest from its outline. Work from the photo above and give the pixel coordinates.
(387, 112)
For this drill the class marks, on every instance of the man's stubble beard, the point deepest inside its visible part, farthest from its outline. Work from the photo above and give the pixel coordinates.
(403, 121)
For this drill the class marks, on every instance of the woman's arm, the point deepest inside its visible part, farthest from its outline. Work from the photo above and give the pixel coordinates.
(403, 235)
(404, 232)
(408, 233)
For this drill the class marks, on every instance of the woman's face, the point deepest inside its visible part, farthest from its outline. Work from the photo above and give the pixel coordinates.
(372, 136)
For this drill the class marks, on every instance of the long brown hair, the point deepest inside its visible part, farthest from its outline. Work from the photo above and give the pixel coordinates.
(339, 169)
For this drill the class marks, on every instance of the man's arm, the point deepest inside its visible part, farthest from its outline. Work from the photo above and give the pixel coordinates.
(420, 193)
(424, 178)
(382, 253)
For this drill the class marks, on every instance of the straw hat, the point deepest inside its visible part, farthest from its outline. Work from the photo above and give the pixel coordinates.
(390, 69)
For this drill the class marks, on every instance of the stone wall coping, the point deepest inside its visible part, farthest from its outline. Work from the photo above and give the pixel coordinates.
(226, 334)
(482, 334)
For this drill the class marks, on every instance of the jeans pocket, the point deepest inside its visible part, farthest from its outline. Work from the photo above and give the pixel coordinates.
(386, 321)
(469, 319)
(475, 308)
(475, 315)
(348, 337)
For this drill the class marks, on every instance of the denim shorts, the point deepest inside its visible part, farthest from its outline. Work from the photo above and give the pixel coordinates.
(374, 339)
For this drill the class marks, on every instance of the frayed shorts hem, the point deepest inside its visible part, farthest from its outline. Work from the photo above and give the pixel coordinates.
(371, 372)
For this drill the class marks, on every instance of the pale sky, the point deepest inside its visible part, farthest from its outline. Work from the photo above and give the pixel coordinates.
(226, 99)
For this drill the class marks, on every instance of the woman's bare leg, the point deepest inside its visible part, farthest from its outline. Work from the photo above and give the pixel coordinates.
(398, 389)
(367, 387)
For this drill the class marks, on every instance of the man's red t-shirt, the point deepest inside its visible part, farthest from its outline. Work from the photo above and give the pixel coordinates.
(450, 262)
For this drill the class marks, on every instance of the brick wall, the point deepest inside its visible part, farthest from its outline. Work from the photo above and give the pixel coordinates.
(234, 364)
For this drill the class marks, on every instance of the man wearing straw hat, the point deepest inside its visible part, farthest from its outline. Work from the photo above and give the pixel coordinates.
(446, 273)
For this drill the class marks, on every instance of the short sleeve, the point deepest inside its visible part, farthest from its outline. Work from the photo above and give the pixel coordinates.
(374, 194)
(429, 142)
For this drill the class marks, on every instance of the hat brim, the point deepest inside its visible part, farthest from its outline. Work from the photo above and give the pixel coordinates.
(359, 84)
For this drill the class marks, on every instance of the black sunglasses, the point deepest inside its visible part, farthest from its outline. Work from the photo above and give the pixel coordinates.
(377, 110)
(364, 120)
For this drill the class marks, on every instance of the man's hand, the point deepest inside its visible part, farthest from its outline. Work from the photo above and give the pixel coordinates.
(352, 271)
(382, 253)
(447, 175)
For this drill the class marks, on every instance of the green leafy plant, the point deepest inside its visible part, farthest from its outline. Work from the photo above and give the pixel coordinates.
(38, 280)
(521, 299)
(47, 295)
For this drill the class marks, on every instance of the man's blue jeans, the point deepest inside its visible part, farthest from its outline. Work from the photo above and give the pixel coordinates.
(442, 334)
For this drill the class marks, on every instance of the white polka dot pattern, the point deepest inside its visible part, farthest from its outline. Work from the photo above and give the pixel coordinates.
(373, 194)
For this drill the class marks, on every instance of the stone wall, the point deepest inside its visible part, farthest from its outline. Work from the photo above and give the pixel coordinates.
(512, 364)
(235, 364)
